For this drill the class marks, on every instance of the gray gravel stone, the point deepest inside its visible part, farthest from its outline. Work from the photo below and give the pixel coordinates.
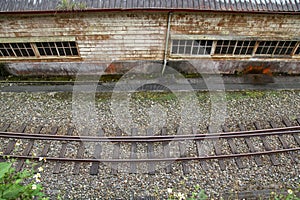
(144, 110)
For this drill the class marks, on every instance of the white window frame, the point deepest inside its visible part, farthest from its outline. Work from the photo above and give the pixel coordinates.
(237, 40)
(277, 46)
(191, 50)
(33, 43)
(235, 46)
(297, 47)
(14, 50)
(56, 48)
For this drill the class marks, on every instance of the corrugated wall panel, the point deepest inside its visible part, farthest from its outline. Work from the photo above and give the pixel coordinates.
(142, 36)
(285, 26)
(99, 36)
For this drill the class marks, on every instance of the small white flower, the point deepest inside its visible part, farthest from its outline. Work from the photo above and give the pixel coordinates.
(34, 154)
(169, 190)
(18, 143)
(33, 186)
(290, 191)
(37, 175)
(37, 180)
(42, 159)
(40, 169)
(180, 196)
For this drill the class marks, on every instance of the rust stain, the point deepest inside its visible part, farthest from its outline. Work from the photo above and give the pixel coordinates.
(257, 70)
(111, 69)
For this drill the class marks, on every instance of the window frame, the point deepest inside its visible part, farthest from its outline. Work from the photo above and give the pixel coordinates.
(192, 46)
(238, 39)
(297, 47)
(235, 46)
(13, 50)
(276, 47)
(58, 54)
(37, 55)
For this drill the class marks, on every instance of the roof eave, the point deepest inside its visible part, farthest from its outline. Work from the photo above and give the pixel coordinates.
(148, 10)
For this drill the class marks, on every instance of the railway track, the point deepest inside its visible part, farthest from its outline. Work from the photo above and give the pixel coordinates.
(172, 148)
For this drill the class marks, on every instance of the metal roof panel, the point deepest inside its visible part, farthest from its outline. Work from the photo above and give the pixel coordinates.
(215, 5)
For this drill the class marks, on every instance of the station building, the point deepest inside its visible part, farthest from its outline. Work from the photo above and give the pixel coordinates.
(114, 36)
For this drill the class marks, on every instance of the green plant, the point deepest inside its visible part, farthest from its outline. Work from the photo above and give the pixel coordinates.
(19, 185)
(68, 5)
(291, 195)
(81, 6)
(197, 194)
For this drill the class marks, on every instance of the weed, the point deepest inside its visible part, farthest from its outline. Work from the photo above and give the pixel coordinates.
(68, 5)
(290, 195)
(197, 194)
(12, 183)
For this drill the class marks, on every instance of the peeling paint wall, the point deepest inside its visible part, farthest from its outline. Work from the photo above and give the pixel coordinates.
(115, 36)
(252, 25)
(140, 36)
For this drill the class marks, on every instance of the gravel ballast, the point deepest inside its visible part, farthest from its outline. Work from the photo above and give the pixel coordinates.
(143, 110)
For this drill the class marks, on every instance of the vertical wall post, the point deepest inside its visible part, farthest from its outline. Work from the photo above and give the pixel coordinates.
(167, 43)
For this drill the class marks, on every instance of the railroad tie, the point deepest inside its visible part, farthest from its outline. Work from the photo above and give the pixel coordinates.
(80, 154)
(203, 163)
(97, 155)
(182, 152)
(46, 147)
(4, 129)
(27, 150)
(296, 135)
(283, 142)
(62, 152)
(266, 145)
(248, 141)
(234, 150)
(166, 149)
(133, 153)
(116, 152)
(151, 155)
(11, 144)
(216, 144)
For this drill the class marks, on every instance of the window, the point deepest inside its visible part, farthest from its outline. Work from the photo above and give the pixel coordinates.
(192, 47)
(244, 48)
(225, 47)
(275, 47)
(298, 51)
(57, 48)
(16, 50)
(39, 49)
(235, 48)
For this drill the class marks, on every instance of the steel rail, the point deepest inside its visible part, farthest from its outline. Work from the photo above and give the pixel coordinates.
(157, 138)
(154, 159)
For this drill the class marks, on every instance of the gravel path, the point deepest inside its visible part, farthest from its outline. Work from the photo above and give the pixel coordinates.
(143, 110)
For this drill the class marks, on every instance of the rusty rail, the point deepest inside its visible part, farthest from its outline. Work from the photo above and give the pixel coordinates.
(148, 140)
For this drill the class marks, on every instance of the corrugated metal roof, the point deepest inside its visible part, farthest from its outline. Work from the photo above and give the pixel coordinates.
(201, 5)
